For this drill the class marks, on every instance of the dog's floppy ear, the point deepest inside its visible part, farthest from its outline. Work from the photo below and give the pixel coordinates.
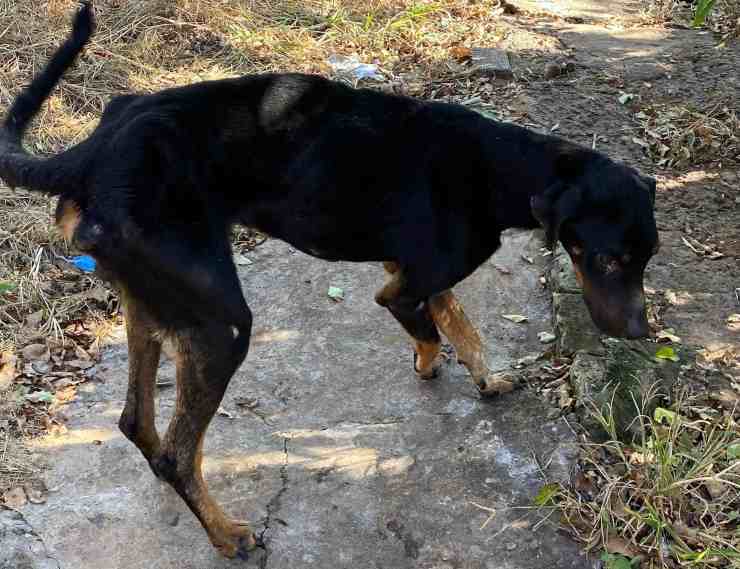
(553, 207)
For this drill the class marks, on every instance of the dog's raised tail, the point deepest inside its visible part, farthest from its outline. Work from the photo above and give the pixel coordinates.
(17, 167)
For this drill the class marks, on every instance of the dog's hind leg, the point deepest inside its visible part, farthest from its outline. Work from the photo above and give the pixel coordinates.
(448, 314)
(207, 357)
(413, 314)
(144, 347)
(191, 287)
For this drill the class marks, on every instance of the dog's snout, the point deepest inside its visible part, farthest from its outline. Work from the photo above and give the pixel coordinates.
(620, 317)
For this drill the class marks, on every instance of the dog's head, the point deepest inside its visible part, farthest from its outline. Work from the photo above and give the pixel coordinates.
(602, 213)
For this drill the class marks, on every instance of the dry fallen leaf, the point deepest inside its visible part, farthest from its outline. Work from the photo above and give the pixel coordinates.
(518, 318)
(527, 360)
(241, 260)
(7, 369)
(460, 53)
(621, 546)
(668, 334)
(224, 413)
(564, 398)
(81, 354)
(546, 337)
(733, 322)
(15, 498)
(502, 270)
(248, 402)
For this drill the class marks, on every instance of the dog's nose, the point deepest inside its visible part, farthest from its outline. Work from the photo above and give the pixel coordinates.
(637, 327)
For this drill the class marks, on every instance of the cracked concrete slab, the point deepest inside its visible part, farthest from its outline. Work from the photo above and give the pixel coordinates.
(327, 442)
(21, 546)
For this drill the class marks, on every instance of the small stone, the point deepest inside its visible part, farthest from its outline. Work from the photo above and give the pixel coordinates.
(553, 70)
(35, 319)
(41, 367)
(79, 364)
(715, 489)
(36, 352)
(491, 61)
(643, 72)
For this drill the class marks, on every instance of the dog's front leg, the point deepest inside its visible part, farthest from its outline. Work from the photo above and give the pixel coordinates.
(453, 322)
(413, 314)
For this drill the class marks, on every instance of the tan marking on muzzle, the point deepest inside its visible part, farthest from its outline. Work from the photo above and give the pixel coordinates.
(68, 218)
(579, 274)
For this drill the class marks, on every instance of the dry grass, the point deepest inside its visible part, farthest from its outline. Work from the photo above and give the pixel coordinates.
(670, 499)
(16, 465)
(676, 136)
(724, 18)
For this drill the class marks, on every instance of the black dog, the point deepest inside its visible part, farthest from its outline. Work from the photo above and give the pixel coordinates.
(153, 192)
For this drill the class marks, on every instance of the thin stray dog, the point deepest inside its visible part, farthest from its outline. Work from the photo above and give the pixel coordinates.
(153, 193)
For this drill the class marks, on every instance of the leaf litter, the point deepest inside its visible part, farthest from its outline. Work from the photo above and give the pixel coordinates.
(676, 136)
(666, 499)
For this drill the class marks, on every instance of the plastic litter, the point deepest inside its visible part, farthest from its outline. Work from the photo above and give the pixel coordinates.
(336, 293)
(353, 67)
(83, 262)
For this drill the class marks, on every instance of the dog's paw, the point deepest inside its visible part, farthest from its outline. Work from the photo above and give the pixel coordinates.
(432, 370)
(428, 372)
(496, 384)
(236, 541)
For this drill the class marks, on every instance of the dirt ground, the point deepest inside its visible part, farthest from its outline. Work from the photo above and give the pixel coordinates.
(385, 461)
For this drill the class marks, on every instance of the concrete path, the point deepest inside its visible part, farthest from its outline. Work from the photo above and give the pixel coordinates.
(332, 444)
(597, 11)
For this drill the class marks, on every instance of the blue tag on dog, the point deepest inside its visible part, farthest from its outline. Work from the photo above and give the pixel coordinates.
(84, 262)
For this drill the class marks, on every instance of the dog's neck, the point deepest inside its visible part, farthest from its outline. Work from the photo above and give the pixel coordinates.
(557, 161)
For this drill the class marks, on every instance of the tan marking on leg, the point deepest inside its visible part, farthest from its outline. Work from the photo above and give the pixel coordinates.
(227, 536)
(199, 393)
(449, 316)
(144, 347)
(391, 267)
(67, 218)
(392, 287)
(427, 360)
